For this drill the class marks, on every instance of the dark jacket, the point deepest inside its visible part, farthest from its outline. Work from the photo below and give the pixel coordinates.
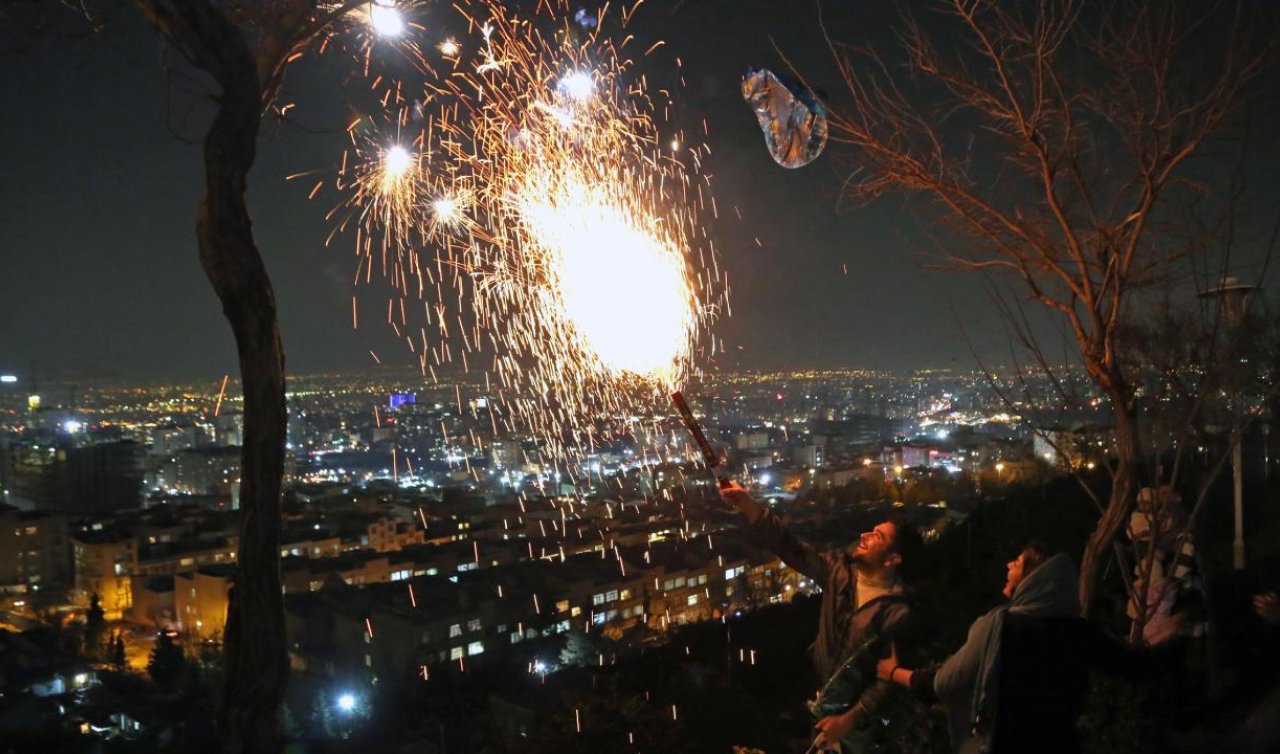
(844, 630)
(1018, 682)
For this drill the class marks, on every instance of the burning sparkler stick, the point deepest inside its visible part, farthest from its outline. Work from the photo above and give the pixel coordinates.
(708, 453)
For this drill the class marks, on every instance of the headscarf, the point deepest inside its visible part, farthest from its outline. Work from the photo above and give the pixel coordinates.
(1048, 592)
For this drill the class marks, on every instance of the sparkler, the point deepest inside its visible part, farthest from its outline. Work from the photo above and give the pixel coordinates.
(695, 429)
(385, 19)
(525, 207)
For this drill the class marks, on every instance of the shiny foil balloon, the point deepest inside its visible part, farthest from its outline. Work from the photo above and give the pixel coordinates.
(792, 119)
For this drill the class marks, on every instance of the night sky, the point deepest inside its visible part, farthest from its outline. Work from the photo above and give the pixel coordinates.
(99, 275)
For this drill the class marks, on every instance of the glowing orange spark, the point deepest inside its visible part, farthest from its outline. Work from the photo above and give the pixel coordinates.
(221, 392)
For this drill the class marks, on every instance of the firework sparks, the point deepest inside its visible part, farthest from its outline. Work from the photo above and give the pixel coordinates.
(578, 86)
(527, 205)
(222, 391)
(385, 19)
(396, 162)
(572, 223)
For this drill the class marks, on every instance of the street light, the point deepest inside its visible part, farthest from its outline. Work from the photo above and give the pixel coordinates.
(346, 702)
(1233, 295)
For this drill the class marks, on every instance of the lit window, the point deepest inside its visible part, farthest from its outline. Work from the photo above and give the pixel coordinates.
(455, 653)
(562, 606)
(368, 661)
(455, 630)
(475, 648)
(693, 600)
(597, 599)
(473, 625)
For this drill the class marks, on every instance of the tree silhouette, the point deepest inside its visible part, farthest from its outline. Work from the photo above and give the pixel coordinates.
(582, 649)
(1060, 145)
(246, 48)
(166, 663)
(95, 626)
(117, 652)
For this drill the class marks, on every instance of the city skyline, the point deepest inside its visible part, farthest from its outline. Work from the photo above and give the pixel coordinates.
(571, 379)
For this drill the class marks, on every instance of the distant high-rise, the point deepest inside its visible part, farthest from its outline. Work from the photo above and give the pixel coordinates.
(809, 456)
(104, 562)
(856, 429)
(62, 476)
(200, 471)
(229, 429)
(34, 550)
(507, 454)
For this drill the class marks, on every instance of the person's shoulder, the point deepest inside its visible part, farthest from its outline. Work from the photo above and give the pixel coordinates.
(987, 619)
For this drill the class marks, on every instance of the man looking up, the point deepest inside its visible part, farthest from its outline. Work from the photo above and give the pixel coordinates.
(865, 607)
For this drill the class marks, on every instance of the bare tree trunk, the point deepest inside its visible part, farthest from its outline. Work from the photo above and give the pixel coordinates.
(255, 648)
(1123, 486)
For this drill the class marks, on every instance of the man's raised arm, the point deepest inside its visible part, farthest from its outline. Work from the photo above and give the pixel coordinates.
(795, 552)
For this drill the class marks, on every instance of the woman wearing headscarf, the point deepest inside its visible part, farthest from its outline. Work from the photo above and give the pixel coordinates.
(1018, 682)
